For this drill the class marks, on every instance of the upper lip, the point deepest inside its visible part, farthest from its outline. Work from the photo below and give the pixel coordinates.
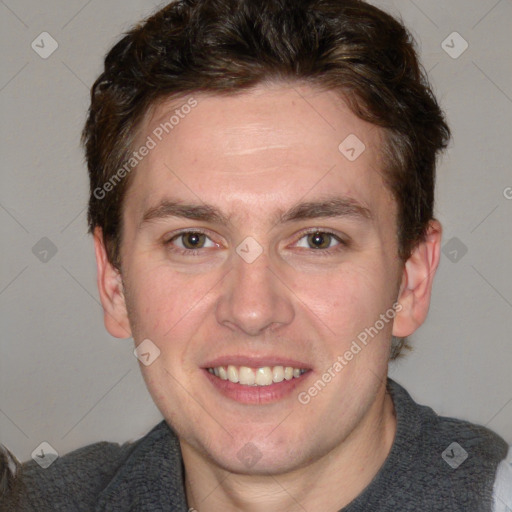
(255, 362)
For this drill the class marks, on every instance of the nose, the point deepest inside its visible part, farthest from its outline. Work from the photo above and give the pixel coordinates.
(254, 298)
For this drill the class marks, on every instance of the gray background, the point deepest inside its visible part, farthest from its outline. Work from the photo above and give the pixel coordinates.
(64, 380)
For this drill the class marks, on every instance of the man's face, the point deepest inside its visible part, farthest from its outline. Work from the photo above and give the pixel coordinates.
(254, 286)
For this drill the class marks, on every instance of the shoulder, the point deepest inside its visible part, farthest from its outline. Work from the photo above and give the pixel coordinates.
(452, 437)
(75, 480)
(454, 459)
(463, 440)
(503, 485)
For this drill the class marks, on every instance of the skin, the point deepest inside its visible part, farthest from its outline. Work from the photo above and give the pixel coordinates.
(252, 155)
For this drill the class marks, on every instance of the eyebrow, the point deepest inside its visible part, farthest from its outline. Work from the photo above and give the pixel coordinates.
(327, 208)
(335, 207)
(169, 208)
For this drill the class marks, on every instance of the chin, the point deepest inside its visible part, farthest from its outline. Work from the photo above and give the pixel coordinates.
(252, 460)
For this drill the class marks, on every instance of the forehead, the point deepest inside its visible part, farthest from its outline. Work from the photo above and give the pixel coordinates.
(258, 149)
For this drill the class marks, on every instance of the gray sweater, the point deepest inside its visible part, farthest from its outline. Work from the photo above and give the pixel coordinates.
(423, 472)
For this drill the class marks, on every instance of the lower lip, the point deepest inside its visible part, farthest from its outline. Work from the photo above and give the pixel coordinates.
(256, 394)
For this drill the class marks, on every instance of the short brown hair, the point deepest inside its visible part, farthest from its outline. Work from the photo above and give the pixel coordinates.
(228, 46)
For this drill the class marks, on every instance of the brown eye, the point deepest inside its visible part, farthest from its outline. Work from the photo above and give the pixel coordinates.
(193, 240)
(190, 243)
(319, 240)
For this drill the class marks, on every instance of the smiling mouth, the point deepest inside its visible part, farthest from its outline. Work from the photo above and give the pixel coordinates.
(263, 376)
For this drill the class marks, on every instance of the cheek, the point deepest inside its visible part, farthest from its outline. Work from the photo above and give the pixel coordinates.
(151, 301)
(168, 308)
(147, 312)
(346, 300)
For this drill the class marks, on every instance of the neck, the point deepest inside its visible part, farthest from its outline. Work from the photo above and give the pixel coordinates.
(329, 483)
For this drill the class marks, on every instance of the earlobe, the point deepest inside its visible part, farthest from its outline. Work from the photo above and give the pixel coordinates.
(417, 280)
(110, 287)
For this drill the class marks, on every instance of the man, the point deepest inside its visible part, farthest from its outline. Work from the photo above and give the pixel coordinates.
(262, 186)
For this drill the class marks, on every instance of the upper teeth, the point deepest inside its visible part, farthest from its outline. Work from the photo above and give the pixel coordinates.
(263, 376)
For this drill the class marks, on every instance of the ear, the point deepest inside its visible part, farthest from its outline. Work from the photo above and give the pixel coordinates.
(110, 287)
(417, 279)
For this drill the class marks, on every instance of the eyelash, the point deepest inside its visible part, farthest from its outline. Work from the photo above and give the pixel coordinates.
(319, 252)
